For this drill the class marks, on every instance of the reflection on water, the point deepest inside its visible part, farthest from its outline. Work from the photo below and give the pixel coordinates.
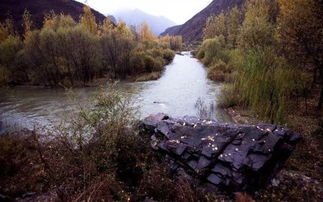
(182, 90)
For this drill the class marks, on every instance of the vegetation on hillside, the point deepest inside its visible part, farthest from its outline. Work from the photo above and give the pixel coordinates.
(68, 53)
(266, 53)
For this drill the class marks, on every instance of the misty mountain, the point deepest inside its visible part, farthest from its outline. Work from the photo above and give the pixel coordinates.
(136, 17)
(192, 30)
(38, 8)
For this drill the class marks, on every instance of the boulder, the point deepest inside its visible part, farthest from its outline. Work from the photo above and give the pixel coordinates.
(222, 155)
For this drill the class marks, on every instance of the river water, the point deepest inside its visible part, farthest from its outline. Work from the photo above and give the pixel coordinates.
(182, 90)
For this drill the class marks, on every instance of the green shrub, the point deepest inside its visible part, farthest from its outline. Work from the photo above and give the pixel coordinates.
(137, 62)
(212, 50)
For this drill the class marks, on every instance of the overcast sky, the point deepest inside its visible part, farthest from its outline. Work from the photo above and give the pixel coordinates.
(178, 11)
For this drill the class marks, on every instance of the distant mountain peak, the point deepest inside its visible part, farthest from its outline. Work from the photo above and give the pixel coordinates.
(136, 17)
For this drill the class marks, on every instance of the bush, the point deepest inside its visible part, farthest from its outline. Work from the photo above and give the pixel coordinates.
(212, 50)
(168, 55)
(10, 49)
(137, 62)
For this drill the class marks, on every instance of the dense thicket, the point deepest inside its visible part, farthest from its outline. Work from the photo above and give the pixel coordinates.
(266, 53)
(66, 52)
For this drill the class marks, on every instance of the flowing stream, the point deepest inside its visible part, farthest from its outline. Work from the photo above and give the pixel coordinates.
(182, 90)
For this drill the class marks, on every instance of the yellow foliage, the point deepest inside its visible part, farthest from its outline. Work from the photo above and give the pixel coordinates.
(88, 20)
(146, 34)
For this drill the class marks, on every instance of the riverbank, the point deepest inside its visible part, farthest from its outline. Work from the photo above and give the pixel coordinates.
(109, 159)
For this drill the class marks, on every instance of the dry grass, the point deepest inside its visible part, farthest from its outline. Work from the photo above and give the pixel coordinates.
(148, 77)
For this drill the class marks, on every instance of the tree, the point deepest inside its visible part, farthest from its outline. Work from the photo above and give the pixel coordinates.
(233, 24)
(257, 31)
(8, 58)
(300, 32)
(6, 29)
(116, 48)
(145, 33)
(215, 26)
(27, 23)
(88, 20)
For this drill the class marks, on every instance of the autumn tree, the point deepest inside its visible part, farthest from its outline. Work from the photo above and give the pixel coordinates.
(145, 33)
(172, 42)
(300, 32)
(257, 31)
(215, 26)
(8, 58)
(6, 29)
(117, 44)
(27, 23)
(233, 25)
(88, 20)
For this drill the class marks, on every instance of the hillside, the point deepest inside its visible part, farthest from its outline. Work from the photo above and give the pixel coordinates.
(37, 8)
(192, 30)
(158, 24)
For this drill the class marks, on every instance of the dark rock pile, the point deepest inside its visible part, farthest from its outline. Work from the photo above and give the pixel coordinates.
(222, 155)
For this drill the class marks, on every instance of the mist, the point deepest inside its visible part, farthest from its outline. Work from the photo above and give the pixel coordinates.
(178, 11)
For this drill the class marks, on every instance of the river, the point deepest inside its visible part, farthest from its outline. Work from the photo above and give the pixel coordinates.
(181, 89)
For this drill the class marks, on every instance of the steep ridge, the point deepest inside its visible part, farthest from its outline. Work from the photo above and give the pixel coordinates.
(192, 30)
(38, 8)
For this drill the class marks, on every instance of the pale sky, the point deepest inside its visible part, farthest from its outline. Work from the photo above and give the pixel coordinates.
(178, 11)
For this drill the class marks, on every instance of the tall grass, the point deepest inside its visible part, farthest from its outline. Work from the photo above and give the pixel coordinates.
(264, 83)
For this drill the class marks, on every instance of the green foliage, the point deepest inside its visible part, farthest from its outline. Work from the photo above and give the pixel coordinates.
(247, 56)
(265, 84)
(257, 31)
(212, 50)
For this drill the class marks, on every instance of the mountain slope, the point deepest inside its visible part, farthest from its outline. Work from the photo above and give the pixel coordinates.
(192, 30)
(136, 17)
(37, 9)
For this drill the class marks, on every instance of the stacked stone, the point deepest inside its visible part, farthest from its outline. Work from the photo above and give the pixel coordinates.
(229, 156)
